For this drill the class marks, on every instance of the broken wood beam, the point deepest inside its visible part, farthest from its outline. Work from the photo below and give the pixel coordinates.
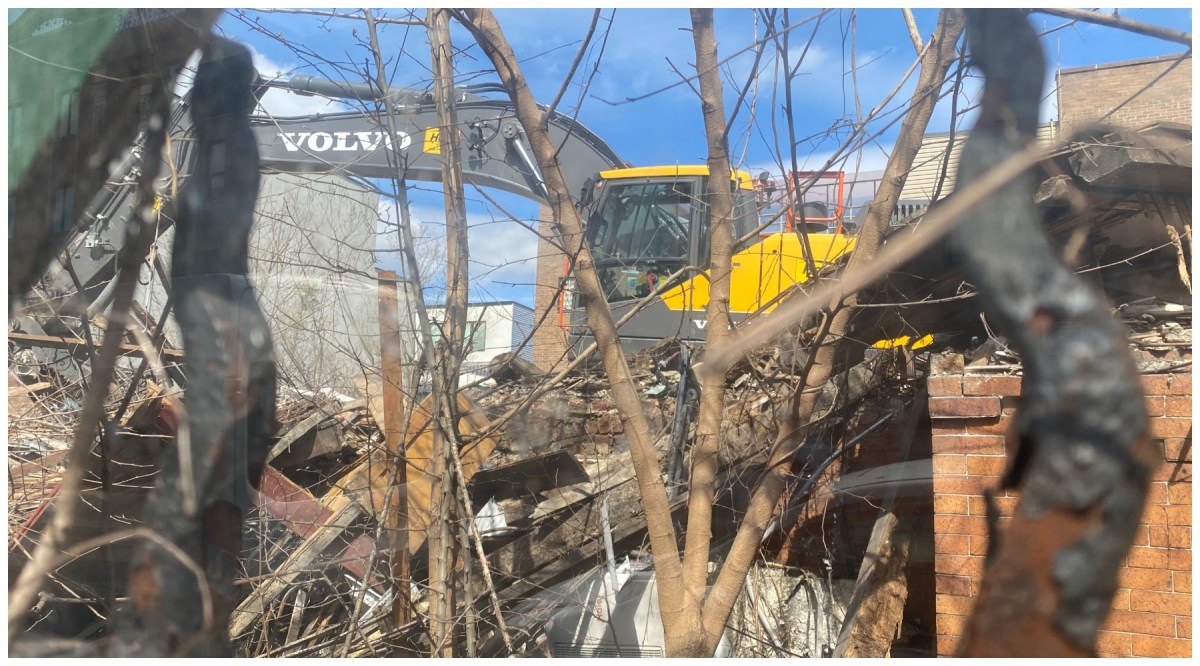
(71, 344)
(391, 351)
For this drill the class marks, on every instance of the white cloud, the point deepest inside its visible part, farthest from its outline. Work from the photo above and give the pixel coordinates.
(502, 251)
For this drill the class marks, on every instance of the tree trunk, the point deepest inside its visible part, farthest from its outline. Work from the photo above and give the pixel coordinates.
(766, 496)
(702, 487)
(671, 592)
(441, 543)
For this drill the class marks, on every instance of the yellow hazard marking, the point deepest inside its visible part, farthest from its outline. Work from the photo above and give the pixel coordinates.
(904, 341)
(158, 203)
(433, 141)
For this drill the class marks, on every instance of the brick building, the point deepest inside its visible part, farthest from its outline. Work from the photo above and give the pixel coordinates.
(549, 338)
(970, 412)
(1151, 614)
(1163, 88)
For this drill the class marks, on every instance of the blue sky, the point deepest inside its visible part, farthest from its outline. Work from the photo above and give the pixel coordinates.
(664, 128)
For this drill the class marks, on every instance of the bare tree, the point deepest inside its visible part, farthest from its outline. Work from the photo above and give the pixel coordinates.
(693, 620)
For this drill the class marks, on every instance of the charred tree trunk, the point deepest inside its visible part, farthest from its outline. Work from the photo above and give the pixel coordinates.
(1083, 456)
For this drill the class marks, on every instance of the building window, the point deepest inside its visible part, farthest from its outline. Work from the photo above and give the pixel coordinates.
(64, 205)
(476, 339)
(68, 113)
(476, 336)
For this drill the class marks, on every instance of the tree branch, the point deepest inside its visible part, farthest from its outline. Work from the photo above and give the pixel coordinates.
(1121, 23)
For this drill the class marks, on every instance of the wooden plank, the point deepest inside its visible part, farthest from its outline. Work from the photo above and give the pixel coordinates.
(60, 342)
(23, 389)
(391, 350)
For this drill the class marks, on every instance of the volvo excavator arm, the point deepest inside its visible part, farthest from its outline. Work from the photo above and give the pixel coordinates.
(352, 143)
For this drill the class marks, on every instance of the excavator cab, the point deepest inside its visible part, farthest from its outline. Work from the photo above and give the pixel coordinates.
(649, 225)
(648, 231)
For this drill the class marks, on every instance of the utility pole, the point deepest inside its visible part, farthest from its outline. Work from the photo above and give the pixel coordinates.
(441, 544)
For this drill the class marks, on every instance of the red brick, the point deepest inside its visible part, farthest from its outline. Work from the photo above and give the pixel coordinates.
(1009, 404)
(1154, 514)
(1153, 646)
(1179, 492)
(990, 466)
(950, 604)
(999, 385)
(1157, 493)
(1114, 644)
(951, 544)
(973, 407)
(1178, 405)
(1152, 624)
(1149, 558)
(1157, 536)
(945, 385)
(959, 565)
(950, 625)
(957, 585)
(1181, 581)
(1141, 537)
(1001, 425)
(1183, 627)
(1156, 405)
(977, 506)
(949, 463)
(1177, 449)
(1178, 515)
(1172, 471)
(1160, 602)
(1145, 579)
(985, 445)
(1171, 537)
(947, 645)
(979, 545)
(948, 427)
(1168, 426)
(950, 524)
(961, 485)
(950, 505)
(1179, 537)
(1180, 384)
(1121, 600)
(1007, 506)
(1179, 559)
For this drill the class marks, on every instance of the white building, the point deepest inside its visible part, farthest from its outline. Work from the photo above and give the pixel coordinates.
(492, 328)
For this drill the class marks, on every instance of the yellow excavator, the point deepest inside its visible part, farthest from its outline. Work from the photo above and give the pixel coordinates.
(647, 226)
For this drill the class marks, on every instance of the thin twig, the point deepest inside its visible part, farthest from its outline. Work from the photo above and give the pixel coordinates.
(1122, 23)
(587, 41)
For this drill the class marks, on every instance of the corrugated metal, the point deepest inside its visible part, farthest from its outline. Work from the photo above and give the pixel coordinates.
(522, 318)
(928, 167)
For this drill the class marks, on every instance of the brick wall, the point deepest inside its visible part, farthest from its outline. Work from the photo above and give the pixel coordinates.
(549, 340)
(1151, 614)
(1086, 93)
(833, 530)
